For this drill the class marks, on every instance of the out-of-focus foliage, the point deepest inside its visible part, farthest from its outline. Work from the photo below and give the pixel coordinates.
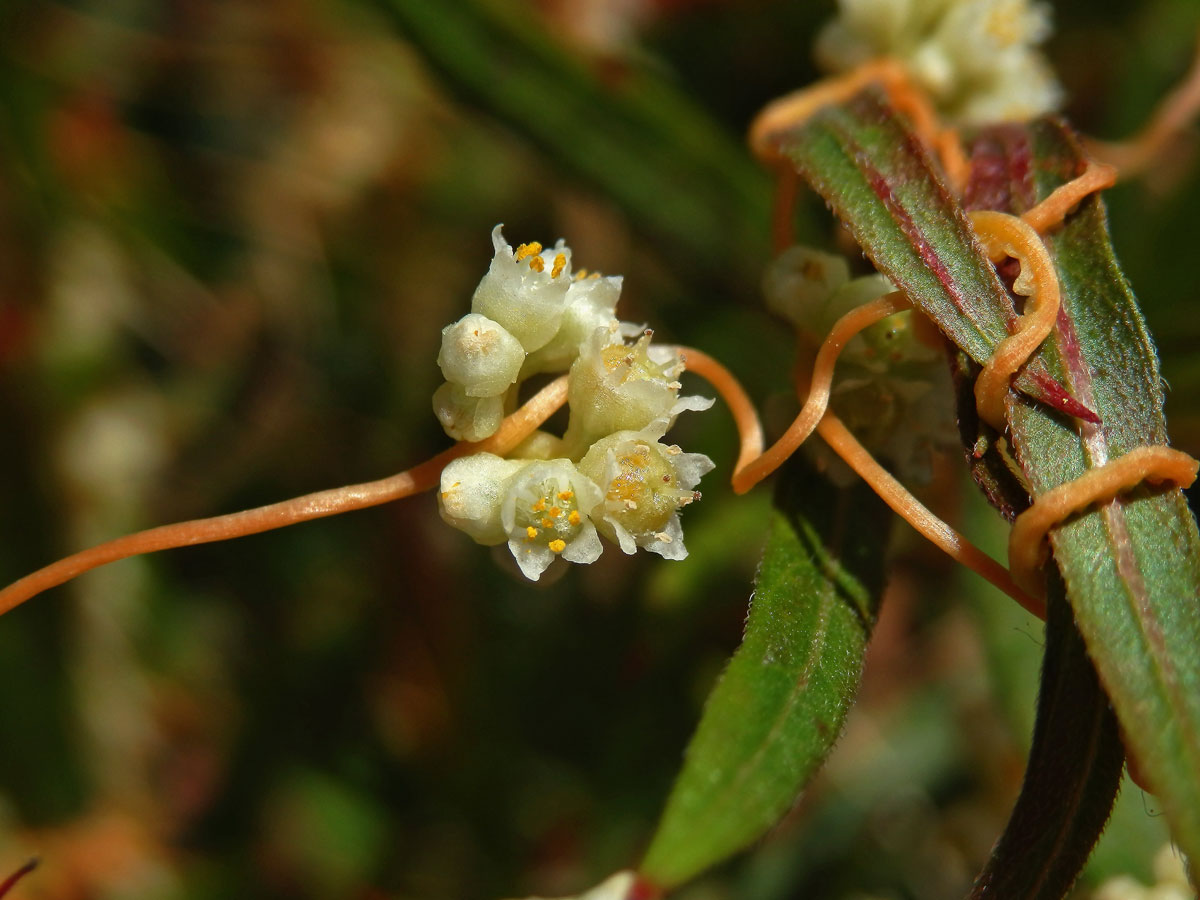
(229, 236)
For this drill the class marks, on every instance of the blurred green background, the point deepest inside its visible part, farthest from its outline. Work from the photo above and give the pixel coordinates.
(230, 233)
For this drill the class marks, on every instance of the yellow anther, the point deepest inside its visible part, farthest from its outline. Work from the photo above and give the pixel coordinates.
(574, 518)
(527, 250)
(531, 533)
(581, 274)
(560, 263)
(555, 512)
(540, 505)
(557, 546)
(537, 264)
(594, 276)
(564, 496)
(547, 523)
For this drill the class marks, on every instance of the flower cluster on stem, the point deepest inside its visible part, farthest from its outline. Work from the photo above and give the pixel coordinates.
(609, 474)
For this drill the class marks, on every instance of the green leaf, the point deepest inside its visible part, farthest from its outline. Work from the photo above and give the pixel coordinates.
(1131, 567)
(871, 169)
(644, 143)
(780, 705)
(1071, 781)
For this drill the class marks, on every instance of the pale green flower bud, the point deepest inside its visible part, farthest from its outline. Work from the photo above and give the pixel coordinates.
(813, 289)
(645, 484)
(799, 283)
(591, 303)
(545, 514)
(472, 493)
(467, 418)
(615, 386)
(480, 355)
(525, 290)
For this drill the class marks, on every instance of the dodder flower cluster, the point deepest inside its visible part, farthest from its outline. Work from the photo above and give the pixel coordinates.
(610, 474)
(977, 59)
(892, 387)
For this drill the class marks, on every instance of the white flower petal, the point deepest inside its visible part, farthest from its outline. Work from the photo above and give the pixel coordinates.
(586, 548)
(667, 543)
(533, 559)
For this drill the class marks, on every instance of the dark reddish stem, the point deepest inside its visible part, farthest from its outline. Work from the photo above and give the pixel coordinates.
(10, 882)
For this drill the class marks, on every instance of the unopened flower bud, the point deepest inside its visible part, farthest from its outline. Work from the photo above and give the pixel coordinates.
(480, 355)
(467, 418)
(472, 493)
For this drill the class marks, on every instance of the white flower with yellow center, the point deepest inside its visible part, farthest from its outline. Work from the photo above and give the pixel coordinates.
(525, 290)
(546, 514)
(645, 483)
(616, 386)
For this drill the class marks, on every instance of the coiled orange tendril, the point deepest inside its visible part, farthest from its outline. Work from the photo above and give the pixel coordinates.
(1026, 550)
(789, 112)
(1137, 154)
(754, 465)
(1003, 235)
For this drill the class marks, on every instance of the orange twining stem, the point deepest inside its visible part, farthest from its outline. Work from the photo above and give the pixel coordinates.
(787, 185)
(512, 431)
(893, 493)
(1051, 211)
(790, 112)
(1137, 154)
(754, 467)
(1003, 235)
(909, 508)
(1098, 485)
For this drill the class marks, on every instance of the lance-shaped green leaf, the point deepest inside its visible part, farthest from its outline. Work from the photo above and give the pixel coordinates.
(872, 170)
(1072, 778)
(780, 705)
(1131, 566)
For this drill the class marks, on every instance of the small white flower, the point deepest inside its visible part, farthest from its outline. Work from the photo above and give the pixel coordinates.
(525, 290)
(615, 386)
(480, 355)
(645, 484)
(472, 494)
(467, 418)
(546, 513)
(976, 58)
(591, 303)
